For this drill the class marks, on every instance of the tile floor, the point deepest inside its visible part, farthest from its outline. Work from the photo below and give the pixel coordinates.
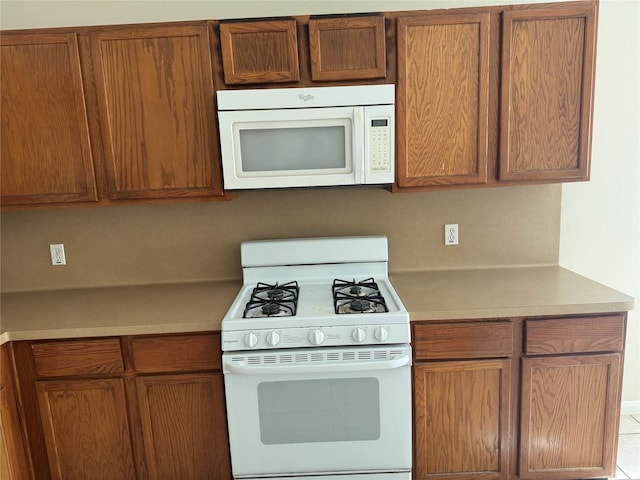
(629, 448)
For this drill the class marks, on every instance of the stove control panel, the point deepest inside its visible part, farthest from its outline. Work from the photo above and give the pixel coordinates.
(315, 336)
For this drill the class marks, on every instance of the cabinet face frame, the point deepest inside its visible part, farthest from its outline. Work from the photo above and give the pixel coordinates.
(342, 29)
(516, 114)
(430, 169)
(285, 53)
(133, 173)
(67, 114)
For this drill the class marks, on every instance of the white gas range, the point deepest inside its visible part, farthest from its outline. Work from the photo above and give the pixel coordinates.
(317, 362)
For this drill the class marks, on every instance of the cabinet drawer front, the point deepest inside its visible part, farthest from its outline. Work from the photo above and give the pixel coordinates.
(78, 357)
(176, 353)
(435, 341)
(573, 335)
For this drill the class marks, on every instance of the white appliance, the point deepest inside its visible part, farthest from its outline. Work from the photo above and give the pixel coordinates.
(317, 363)
(304, 137)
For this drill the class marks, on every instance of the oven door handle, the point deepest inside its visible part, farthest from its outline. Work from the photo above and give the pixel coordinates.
(246, 369)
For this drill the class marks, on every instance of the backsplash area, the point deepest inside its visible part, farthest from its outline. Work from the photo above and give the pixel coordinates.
(128, 245)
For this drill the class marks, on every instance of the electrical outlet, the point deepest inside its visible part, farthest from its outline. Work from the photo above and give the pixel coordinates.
(451, 234)
(57, 254)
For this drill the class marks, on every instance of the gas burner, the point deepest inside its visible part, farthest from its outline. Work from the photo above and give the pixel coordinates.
(358, 297)
(272, 300)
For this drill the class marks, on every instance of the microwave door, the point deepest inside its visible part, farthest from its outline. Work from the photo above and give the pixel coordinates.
(288, 148)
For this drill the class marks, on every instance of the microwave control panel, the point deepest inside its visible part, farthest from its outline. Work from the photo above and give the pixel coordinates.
(379, 145)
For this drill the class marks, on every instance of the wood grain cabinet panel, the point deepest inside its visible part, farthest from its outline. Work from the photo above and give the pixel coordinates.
(78, 357)
(176, 353)
(437, 341)
(86, 429)
(462, 412)
(156, 99)
(260, 52)
(184, 426)
(575, 335)
(548, 60)
(14, 461)
(46, 149)
(569, 416)
(442, 99)
(347, 48)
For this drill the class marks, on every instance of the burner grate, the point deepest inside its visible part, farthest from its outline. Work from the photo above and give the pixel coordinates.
(272, 300)
(358, 297)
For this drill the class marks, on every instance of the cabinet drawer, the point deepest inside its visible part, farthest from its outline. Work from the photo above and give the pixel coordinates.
(177, 353)
(78, 357)
(575, 335)
(435, 341)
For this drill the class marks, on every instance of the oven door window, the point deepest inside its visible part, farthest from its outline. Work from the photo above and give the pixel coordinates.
(324, 410)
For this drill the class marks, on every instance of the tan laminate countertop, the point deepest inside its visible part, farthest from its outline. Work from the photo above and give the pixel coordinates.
(193, 307)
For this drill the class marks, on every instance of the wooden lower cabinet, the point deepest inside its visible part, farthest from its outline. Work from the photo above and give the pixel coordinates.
(86, 429)
(546, 407)
(462, 419)
(184, 433)
(117, 408)
(14, 464)
(569, 416)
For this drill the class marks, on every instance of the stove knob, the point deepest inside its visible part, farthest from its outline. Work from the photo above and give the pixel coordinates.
(273, 338)
(316, 336)
(358, 335)
(251, 340)
(381, 334)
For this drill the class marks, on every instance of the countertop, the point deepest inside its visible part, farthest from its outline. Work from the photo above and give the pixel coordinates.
(194, 307)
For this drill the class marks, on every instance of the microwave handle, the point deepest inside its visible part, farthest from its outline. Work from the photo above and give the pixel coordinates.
(245, 369)
(359, 136)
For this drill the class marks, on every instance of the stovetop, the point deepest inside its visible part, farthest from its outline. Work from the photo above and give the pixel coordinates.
(338, 293)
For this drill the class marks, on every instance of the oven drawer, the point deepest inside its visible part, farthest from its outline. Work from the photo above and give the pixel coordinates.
(575, 335)
(462, 340)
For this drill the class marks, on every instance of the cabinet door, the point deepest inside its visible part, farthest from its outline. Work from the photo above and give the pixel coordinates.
(46, 151)
(442, 99)
(260, 52)
(86, 429)
(547, 89)
(569, 416)
(462, 419)
(155, 92)
(184, 426)
(347, 48)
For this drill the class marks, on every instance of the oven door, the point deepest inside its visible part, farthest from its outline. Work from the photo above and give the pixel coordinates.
(292, 147)
(319, 410)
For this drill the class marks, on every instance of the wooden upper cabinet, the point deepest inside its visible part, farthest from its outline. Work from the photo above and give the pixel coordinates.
(347, 48)
(548, 59)
(442, 99)
(156, 99)
(260, 52)
(46, 151)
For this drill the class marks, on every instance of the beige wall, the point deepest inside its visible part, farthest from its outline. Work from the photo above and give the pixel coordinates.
(190, 242)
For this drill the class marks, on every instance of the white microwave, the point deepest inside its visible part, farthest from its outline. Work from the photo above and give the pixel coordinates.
(307, 137)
